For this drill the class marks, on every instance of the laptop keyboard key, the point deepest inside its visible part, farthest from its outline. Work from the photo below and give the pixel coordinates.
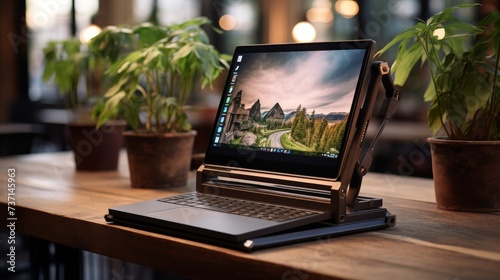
(239, 207)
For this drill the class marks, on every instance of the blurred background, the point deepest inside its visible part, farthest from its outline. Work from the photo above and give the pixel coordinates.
(32, 115)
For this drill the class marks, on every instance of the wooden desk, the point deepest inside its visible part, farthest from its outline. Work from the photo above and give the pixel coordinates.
(56, 204)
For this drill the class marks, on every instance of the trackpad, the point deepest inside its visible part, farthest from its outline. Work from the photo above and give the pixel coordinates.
(202, 219)
(185, 215)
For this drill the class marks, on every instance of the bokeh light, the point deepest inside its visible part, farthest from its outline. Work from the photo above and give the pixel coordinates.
(347, 8)
(439, 33)
(227, 22)
(89, 32)
(304, 32)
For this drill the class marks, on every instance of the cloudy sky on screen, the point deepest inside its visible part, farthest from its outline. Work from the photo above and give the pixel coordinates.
(321, 80)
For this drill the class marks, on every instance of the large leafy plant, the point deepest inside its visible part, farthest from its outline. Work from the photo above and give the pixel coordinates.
(463, 62)
(154, 70)
(67, 64)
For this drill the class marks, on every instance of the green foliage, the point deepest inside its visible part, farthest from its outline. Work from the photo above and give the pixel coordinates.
(331, 138)
(272, 125)
(464, 91)
(299, 130)
(154, 69)
(290, 144)
(66, 65)
(315, 133)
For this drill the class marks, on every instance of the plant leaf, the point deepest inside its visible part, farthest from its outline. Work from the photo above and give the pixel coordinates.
(407, 62)
(434, 117)
(430, 93)
(404, 35)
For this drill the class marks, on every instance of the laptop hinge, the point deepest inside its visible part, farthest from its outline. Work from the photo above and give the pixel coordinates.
(290, 190)
(338, 203)
(380, 74)
(346, 200)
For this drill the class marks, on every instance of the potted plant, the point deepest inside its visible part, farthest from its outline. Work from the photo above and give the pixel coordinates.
(464, 95)
(152, 84)
(67, 64)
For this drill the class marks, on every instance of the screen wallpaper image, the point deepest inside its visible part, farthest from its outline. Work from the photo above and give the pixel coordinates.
(289, 102)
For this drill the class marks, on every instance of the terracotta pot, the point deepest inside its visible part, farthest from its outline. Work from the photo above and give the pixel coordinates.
(466, 174)
(96, 150)
(159, 160)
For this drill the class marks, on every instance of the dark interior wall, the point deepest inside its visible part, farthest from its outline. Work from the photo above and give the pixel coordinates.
(14, 60)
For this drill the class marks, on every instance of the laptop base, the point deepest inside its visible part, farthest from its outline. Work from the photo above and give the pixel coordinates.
(358, 221)
(320, 232)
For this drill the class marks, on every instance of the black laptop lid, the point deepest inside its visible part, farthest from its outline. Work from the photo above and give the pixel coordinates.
(289, 108)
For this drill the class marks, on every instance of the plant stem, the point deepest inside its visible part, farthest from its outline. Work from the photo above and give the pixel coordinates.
(188, 85)
(147, 98)
(184, 92)
(157, 90)
(424, 42)
(75, 104)
(153, 91)
(492, 97)
(88, 88)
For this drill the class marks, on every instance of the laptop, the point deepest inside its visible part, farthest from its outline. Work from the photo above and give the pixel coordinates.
(281, 140)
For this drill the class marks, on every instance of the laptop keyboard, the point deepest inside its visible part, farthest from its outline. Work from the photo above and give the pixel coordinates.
(239, 207)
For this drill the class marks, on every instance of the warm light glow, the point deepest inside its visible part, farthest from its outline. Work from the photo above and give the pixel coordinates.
(322, 4)
(227, 22)
(347, 8)
(304, 32)
(439, 33)
(89, 32)
(319, 15)
(321, 11)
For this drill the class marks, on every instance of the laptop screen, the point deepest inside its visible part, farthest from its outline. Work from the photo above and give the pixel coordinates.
(289, 108)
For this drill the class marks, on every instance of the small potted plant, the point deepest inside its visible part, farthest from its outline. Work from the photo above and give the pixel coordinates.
(464, 95)
(67, 64)
(152, 84)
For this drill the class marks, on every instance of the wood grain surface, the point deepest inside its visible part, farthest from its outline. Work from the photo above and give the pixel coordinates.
(55, 203)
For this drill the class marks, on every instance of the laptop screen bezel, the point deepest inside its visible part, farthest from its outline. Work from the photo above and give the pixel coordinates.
(292, 164)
